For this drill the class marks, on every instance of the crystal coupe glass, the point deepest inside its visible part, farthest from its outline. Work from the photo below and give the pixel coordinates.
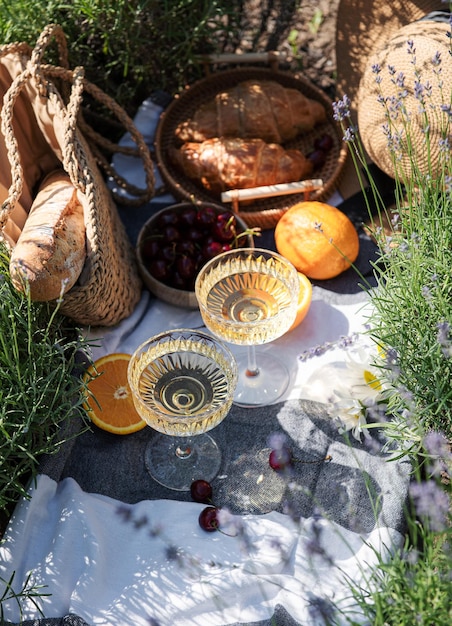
(249, 296)
(182, 384)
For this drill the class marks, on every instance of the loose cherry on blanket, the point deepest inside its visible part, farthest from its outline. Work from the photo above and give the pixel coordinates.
(282, 458)
(201, 491)
(208, 519)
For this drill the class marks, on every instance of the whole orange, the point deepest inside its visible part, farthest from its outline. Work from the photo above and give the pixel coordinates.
(318, 239)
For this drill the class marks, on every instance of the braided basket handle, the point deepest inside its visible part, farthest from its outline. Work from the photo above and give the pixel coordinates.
(73, 85)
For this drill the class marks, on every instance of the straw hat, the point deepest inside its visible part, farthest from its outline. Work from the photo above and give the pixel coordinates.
(373, 32)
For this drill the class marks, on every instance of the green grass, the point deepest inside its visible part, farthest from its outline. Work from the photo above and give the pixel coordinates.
(39, 389)
(129, 48)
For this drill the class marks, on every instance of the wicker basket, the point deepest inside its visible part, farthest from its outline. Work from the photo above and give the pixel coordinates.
(177, 297)
(266, 211)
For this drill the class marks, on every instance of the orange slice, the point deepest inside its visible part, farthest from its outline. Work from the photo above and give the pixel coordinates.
(304, 300)
(108, 397)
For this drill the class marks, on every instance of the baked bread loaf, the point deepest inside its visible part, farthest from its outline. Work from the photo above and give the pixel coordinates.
(234, 163)
(253, 109)
(51, 251)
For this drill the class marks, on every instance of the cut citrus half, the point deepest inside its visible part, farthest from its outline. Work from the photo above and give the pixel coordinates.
(108, 397)
(304, 300)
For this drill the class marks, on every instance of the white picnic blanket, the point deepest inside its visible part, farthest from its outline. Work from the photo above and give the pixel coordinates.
(109, 546)
(170, 572)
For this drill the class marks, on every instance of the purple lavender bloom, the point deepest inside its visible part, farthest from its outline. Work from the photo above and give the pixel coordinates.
(437, 447)
(444, 338)
(444, 145)
(320, 609)
(341, 109)
(426, 293)
(436, 59)
(418, 90)
(277, 441)
(400, 80)
(432, 504)
(446, 108)
(349, 135)
(313, 542)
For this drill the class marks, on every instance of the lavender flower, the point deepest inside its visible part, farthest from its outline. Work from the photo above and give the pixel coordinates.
(444, 338)
(341, 109)
(438, 449)
(349, 135)
(320, 609)
(431, 503)
(277, 441)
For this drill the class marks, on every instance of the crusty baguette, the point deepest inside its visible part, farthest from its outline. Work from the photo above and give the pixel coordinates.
(233, 163)
(253, 109)
(51, 249)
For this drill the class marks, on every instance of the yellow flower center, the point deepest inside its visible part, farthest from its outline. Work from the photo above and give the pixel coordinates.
(371, 380)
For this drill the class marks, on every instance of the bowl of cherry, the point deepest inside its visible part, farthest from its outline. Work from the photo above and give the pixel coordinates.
(178, 240)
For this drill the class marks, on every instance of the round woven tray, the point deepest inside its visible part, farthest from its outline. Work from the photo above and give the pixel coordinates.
(264, 212)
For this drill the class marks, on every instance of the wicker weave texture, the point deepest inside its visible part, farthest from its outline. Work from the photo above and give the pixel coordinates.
(263, 212)
(109, 286)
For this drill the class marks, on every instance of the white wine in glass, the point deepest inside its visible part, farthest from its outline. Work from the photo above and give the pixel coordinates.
(249, 296)
(182, 383)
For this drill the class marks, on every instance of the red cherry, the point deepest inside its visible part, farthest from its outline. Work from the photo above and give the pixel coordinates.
(211, 249)
(178, 282)
(206, 216)
(194, 234)
(168, 218)
(201, 491)
(168, 253)
(158, 269)
(186, 247)
(150, 248)
(324, 142)
(280, 459)
(224, 229)
(171, 233)
(188, 217)
(317, 158)
(208, 519)
(186, 266)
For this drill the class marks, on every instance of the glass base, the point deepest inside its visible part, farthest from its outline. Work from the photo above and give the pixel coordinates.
(266, 387)
(175, 462)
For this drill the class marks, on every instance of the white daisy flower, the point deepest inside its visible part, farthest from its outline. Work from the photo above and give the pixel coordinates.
(366, 379)
(350, 412)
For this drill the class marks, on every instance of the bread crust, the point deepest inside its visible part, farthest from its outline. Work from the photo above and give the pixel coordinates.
(51, 250)
(234, 163)
(253, 109)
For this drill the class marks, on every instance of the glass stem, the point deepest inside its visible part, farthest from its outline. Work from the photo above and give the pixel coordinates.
(252, 369)
(184, 450)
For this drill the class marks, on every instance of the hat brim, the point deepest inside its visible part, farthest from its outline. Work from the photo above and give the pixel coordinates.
(364, 27)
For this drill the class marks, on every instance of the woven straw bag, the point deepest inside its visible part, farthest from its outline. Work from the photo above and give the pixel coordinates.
(43, 128)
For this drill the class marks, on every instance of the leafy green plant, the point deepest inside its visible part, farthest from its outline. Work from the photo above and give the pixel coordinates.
(29, 590)
(411, 325)
(39, 388)
(412, 318)
(129, 48)
(316, 21)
